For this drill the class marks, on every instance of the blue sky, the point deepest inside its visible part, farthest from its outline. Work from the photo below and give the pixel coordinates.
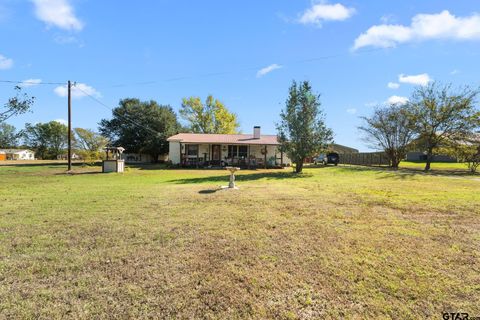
(246, 53)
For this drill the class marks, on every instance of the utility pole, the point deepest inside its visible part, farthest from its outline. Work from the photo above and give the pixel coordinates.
(69, 126)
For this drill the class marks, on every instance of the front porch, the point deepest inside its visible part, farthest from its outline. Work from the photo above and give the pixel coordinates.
(239, 155)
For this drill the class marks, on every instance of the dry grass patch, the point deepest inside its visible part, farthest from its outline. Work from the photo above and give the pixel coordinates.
(334, 242)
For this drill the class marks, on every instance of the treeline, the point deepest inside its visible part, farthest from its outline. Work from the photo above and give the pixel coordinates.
(138, 126)
(49, 140)
(437, 119)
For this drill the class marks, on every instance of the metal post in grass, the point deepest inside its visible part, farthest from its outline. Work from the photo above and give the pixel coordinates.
(69, 126)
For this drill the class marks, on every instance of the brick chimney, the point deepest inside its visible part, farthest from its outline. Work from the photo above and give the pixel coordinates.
(256, 132)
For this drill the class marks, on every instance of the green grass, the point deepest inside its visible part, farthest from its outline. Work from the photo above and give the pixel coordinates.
(435, 165)
(153, 243)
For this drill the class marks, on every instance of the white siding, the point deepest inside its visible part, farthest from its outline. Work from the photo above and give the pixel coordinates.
(174, 152)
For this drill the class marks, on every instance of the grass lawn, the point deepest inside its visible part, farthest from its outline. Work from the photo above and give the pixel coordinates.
(435, 165)
(151, 243)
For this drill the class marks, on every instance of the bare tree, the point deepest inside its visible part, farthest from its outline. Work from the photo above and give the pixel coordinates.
(441, 113)
(390, 129)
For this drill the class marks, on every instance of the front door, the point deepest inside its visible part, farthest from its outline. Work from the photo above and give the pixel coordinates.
(216, 152)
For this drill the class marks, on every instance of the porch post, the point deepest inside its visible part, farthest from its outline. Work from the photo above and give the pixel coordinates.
(248, 157)
(180, 150)
(198, 151)
(265, 161)
(281, 159)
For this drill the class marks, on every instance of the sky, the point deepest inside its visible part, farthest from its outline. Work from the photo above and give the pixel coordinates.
(356, 55)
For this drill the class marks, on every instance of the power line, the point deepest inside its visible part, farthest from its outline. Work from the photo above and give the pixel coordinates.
(210, 74)
(26, 82)
(116, 112)
(221, 73)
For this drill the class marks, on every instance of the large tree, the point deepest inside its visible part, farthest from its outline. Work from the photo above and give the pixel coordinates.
(440, 113)
(8, 136)
(19, 104)
(89, 140)
(389, 129)
(141, 126)
(211, 117)
(302, 130)
(49, 140)
(89, 144)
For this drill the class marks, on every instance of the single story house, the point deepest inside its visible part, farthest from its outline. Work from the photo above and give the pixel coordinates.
(244, 150)
(17, 154)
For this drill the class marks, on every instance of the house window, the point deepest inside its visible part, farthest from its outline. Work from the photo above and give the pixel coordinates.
(237, 151)
(192, 149)
(242, 151)
(232, 151)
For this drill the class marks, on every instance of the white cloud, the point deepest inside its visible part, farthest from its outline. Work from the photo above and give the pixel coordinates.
(393, 85)
(454, 72)
(57, 13)
(442, 25)
(351, 111)
(30, 83)
(62, 121)
(268, 69)
(325, 12)
(5, 63)
(397, 100)
(79, 90)
(419, 79)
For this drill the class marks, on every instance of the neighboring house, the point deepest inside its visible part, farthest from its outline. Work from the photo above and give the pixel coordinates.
(245, 150)
(338, 148)
(16, 154)
(65, 156)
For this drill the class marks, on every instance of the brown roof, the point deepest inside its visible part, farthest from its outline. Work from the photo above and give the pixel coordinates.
(224, 138)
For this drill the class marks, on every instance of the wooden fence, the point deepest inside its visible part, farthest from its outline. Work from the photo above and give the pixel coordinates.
(365, 158)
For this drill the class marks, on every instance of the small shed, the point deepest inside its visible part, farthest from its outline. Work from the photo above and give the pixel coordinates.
(114, 161)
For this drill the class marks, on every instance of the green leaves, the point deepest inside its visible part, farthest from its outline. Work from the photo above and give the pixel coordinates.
(441, 112)
(19, 104)
(8, 136)
(141, 126)
(211, 117)
(48, 139)
(302, 130)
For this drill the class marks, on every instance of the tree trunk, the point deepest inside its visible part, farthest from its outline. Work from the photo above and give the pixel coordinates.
(429, 159)
(395, 163)
(299, 166)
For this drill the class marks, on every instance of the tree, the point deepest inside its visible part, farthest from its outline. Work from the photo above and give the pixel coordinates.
(19, 104)
(49, 140)
(211, 117)
(441, 113)
(89, 144)
(89, 140)
(8, 136)
(465, 149)
(302, 130)
(391, 130)
(141, 126)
